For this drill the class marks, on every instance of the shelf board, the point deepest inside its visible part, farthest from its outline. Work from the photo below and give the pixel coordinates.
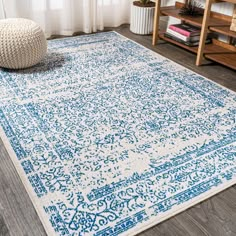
(192, 49)
(225, 30)
(209, 48)
(231, 1)
(197, 21)
(228, 59)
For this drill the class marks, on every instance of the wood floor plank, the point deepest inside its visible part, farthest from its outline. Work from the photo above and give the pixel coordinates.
(214, 217)
(3, 227)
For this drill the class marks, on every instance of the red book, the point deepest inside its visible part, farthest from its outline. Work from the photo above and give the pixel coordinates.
(186, 29)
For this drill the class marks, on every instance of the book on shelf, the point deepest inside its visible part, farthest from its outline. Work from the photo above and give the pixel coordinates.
(186, 29)
(190, 44)
(183, 37)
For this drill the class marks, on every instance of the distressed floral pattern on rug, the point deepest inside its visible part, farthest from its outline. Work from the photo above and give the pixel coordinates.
(112, 137)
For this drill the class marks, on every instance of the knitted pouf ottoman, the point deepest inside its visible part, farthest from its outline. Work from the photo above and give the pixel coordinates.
(22, 43)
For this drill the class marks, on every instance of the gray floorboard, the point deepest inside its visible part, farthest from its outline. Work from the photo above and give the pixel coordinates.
(214, 217)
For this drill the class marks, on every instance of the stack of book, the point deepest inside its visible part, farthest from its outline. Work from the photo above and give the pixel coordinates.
(185, 33)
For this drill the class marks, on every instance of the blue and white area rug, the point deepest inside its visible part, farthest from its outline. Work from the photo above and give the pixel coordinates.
(110, 138)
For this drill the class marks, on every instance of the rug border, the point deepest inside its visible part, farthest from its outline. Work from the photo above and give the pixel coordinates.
(137, 229)
(23, 178)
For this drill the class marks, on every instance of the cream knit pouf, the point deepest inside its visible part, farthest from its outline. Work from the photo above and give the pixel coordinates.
(22, 43)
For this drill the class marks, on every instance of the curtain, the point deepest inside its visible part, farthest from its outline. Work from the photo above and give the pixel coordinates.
(68, 16)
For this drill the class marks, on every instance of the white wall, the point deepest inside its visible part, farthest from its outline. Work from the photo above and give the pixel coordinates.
(224, 8)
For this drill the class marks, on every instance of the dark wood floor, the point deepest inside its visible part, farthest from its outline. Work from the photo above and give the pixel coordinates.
(216, 216)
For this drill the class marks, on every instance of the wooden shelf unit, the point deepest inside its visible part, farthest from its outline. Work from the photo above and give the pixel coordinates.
(211, 21)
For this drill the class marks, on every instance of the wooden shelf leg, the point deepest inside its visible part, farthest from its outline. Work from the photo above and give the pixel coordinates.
(156, 22)
(204, 30)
